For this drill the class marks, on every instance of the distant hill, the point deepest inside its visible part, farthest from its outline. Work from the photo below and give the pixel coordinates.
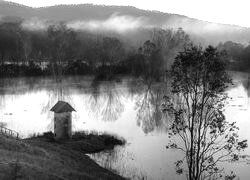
(79, 12)
(122, 18)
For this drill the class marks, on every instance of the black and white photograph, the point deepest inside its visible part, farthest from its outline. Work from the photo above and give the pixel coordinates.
(124, 90)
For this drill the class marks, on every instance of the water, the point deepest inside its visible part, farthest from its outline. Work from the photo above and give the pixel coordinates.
(128, 108)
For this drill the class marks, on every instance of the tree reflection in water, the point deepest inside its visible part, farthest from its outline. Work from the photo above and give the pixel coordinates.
(94, 100)
(148, 106)
(105, 101)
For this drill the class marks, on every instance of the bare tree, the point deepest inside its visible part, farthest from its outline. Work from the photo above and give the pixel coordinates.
(152, 61)
(62, 43)
(25, 38)
(169, 43)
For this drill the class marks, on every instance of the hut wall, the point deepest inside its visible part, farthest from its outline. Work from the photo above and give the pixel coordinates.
(63, 125)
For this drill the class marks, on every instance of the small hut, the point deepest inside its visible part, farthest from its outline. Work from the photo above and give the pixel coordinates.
(62, 120)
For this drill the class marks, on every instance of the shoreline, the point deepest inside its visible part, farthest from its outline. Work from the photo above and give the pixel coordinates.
(43, 158)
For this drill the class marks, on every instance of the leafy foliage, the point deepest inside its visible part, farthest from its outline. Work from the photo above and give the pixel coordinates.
(199, 127)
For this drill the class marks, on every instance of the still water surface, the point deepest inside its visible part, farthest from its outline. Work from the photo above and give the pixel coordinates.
(130, 109)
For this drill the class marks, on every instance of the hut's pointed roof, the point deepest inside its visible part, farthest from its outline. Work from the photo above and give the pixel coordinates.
(61, 107)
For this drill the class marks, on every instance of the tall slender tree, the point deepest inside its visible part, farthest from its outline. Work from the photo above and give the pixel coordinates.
(199, 128)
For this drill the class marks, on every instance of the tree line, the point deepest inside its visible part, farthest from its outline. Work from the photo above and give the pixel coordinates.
(59, 50)
(238, 55)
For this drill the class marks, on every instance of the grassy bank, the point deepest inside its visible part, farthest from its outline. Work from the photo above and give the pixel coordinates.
(43, 158)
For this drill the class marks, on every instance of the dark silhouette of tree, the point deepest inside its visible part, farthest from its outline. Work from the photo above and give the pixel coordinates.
(154, 56)
(40, 51)
(246, 57)
(62, 43)
(151, 61)
(25, 38)
(112, 49)
(238, 55)
(234, 50)
(196, 107)
(6, 43)
(90, 49)
(112, 52)
(169, 42)
(9, 42)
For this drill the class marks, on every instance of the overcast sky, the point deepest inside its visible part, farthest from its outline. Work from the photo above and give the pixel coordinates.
(222, 11)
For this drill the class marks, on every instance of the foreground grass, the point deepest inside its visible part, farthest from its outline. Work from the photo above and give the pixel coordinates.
(43, 158)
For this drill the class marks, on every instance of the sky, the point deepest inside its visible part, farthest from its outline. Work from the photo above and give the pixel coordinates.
(234, 12)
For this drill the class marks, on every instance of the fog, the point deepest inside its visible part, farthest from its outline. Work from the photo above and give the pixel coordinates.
(116, 22)
(35, 24)
(210, 32)
(200, 31)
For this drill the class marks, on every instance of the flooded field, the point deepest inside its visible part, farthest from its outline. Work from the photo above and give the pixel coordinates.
(130, 109)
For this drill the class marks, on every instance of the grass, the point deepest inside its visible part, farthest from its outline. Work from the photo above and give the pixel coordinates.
(103, 139)
(40, 157)
(83, 141)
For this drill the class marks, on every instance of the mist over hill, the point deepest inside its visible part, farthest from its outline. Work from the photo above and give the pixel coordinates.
(125, 20)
